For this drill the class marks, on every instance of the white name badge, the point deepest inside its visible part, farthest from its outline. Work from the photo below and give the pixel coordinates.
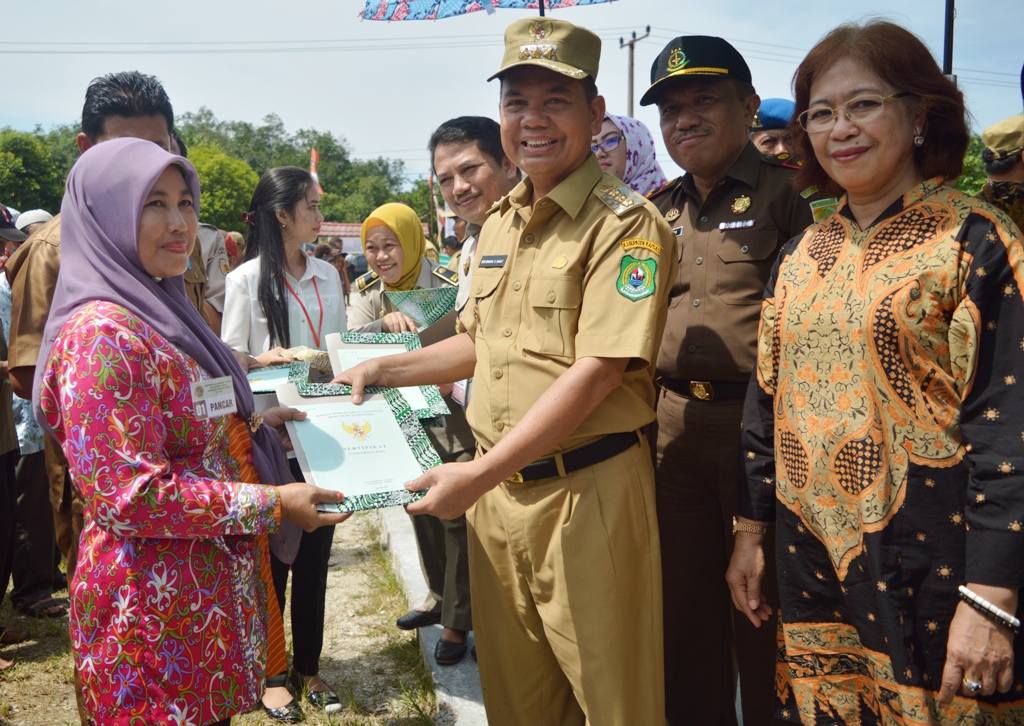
(462, 391)
(213, 398)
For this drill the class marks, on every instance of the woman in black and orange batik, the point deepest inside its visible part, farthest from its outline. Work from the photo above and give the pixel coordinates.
(883, 428)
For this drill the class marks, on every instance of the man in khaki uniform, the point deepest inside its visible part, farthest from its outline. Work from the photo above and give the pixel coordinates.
(565, 318)
(731, 212)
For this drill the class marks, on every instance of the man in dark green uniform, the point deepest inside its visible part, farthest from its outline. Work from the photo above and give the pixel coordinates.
(731, 213)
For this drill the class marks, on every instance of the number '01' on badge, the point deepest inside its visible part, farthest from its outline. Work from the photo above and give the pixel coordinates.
(636, 278)
(213, 397)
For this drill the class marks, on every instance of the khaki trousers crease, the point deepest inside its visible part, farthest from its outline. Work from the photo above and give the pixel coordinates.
(706, 639)
(565, 576)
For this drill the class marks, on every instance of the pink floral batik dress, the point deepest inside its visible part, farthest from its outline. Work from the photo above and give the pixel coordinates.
(168, 612)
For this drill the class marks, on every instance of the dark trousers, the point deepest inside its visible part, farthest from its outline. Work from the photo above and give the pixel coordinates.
(8, 499)
(309, 593)
(444, 558)
(695, 475)
(35, 549)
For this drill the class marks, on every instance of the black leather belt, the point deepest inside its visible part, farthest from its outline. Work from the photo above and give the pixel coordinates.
(581, 458)
(704, 390)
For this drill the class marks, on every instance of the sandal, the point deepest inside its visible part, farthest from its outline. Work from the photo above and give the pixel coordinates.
(5, 664)
(13, 636)
(42, 609)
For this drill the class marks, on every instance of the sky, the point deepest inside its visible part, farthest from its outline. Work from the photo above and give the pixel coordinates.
(384, 87)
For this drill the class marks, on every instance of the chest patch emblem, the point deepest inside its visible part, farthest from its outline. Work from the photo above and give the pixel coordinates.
(672, 214)
(560, 262)
(636, 278)
(741, 204)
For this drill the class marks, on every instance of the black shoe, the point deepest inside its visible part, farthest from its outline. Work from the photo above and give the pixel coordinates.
(326, 701)
(418, 619)
(448, 653)
(288, 713)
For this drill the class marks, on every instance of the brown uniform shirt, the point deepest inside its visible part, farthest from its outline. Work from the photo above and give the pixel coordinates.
(583, 273)
(727, 246)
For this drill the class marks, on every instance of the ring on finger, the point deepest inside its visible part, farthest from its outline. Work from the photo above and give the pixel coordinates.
(972, 687)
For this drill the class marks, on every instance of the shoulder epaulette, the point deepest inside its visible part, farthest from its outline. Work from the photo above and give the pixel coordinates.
(497, 205)
(787, 160)
(365, 281)
(449, 276)
(619, 197)
(663, 187)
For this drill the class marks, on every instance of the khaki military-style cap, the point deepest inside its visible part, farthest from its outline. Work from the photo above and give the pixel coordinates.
(553, 44)
(1006, 137)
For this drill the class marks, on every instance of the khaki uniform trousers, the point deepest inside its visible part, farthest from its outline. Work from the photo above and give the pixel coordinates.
(566, 582)
(697, 457)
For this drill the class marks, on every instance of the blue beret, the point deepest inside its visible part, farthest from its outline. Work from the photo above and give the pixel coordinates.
(774, 113)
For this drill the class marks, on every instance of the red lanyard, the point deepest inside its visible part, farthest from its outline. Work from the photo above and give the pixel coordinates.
(316, 333)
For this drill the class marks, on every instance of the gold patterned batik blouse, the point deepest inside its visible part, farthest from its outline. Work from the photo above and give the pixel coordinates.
(884, 435)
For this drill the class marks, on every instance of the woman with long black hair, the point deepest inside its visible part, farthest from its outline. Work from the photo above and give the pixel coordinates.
(281, 298)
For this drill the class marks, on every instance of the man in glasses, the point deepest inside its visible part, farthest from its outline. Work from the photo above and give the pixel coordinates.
(731, 212)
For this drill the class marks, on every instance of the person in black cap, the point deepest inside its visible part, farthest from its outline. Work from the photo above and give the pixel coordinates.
(8, 231)
(731, 212)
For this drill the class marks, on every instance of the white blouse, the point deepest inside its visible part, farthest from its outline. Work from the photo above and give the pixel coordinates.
(244, 326)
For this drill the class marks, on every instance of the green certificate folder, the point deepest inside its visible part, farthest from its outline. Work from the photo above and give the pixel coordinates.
(425, 307)
(368, 451)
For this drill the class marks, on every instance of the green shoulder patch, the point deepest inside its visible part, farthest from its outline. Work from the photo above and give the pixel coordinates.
(619, 197)
(637, 278)
(813, 189)
(824, 208)
(449, 276)
(365, 281)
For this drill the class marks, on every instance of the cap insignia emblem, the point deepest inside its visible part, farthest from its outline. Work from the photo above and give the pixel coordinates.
(741, 205)
(539, 31)
(536, 52)
(676, 60)
(672, 214)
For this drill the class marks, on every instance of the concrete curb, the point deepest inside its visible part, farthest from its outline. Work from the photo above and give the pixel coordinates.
(456, 686)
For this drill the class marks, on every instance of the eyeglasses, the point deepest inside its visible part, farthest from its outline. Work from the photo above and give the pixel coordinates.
(608, 145)
(857, 110)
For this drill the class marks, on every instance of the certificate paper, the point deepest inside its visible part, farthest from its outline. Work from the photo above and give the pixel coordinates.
(266, 380)
(425, 307)
(349, 357)
(368, 451)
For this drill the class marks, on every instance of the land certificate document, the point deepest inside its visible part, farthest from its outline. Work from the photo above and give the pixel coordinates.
(359, 450)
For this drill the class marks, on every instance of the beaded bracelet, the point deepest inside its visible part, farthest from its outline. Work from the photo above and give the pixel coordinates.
(992, 612)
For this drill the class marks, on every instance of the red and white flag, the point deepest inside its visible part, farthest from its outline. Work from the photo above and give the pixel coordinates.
(314, 159)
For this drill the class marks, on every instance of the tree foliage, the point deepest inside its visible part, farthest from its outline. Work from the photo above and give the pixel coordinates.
(227, 186)
(29, 176)
(352, 187)
(973, 175)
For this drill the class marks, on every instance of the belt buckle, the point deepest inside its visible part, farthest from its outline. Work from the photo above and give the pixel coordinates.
(702, 390)
(516, 478)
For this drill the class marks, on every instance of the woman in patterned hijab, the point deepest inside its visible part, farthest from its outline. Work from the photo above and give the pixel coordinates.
(625, 149)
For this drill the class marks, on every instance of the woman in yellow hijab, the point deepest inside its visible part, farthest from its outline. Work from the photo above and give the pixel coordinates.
(395, 250)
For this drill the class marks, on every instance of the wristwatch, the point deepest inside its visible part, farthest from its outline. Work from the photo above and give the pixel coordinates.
(738, 526)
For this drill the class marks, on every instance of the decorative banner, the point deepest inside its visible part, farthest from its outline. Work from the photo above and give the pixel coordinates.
(438, 9)
(314, 159)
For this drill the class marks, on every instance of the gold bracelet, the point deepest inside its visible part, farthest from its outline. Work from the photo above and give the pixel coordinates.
(738, 526)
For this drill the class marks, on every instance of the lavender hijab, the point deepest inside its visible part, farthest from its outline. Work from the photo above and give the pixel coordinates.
(643, 172)
(100, 215)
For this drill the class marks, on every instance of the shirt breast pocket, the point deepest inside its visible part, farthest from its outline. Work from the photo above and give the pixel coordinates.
(485, 283)
(747, 257)
(555, 303)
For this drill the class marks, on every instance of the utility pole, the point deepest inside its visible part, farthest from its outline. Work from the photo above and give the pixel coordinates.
(631, 43)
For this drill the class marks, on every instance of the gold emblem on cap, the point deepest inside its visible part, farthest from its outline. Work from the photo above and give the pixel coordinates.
(741, 204)
(560, 262)
(539, 31)
(672, 214)
(676, 60)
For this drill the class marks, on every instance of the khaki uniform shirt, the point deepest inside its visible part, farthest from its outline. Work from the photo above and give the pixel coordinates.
(727, 246)
(215, 263)
(583, 273)
(195, 280)
(371, 305)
